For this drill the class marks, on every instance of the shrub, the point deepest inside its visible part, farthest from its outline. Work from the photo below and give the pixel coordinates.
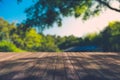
(6, 46)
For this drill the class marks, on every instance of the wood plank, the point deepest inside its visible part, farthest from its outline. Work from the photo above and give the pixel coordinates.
(94, 64)
(10, 63)
(70, 71)
(3, 55)
(60, 73)
(34, 71)
(50, 70)
(60, 66)
(110, 66)
(13, 56)
(79, 68)
(15, 67)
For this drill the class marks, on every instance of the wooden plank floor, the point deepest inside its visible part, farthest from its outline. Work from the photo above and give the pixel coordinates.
(60, 66)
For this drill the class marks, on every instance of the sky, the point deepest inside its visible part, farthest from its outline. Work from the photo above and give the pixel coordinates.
(77, 27)
(12, 12)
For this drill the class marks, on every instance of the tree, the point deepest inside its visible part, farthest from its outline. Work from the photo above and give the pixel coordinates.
(5, 29)
(32, 40)
(67, 41)
(44, 13)
(48, 44)
(111, 37)
(7, 46)
(92, 39)
(29, 40)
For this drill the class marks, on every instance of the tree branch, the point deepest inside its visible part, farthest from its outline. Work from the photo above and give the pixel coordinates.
(107, 5)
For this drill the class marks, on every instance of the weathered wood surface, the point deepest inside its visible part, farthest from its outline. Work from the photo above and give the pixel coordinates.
(60, 66)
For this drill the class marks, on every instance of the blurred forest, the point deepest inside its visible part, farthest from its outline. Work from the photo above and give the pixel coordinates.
(44, 13)
(20, 38)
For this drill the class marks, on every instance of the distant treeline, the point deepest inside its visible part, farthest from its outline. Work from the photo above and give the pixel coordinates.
(20, 38)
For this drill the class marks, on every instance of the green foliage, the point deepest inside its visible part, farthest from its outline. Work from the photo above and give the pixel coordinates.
(45, 16)
(44, 13)
(111, 36)
(108, 39)
(66, 42)
(48, 44)
(25, 38)
(28, 39)
(32, 39)
(19, 37)
(91, 36)
(6, 46)
(5, 29)
(114, 28)
(59, 41)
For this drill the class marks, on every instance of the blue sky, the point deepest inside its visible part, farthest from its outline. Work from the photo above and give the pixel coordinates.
(12, 12)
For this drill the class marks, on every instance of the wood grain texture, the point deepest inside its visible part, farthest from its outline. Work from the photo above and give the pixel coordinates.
(60, 66)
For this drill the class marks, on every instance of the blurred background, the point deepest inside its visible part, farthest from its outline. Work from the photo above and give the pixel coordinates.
(59, 25)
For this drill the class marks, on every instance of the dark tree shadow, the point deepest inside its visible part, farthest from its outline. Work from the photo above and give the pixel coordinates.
(27, 68)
